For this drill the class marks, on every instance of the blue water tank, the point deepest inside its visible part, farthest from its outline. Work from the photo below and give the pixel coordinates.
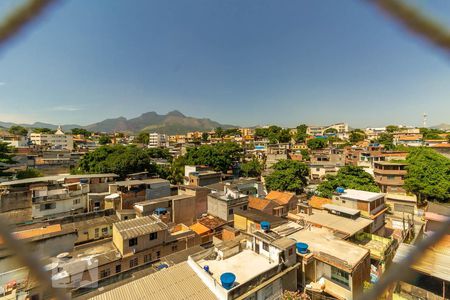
(206, 268)
(161, 211)
(265, 225)
(227, 280)
(162, 266)
(340, 190)
(302, 248)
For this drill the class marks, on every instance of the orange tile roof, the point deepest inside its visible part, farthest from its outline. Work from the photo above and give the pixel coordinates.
(318, 202)
(281, 198)
(257, 203)
(199, 228)
(30, 233)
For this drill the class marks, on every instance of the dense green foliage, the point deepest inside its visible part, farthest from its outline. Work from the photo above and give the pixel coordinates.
(387, 140)
(274, 134)
(305, 154)
(43, 130)
(357, 135)
(142, 138)
(431, 134)
(28, 173)
(220, 156)
(119, 159)
(330, 130)
(6, 156)
(301, 135)
(349, 177)
(205, 137)
(104, 140)
(317, 143)
(392, 128)
(219, 132)
(81, 131)
(428, 175)
(288, 175)
(233, 132)
(18, 130)
(176, 170)
(252, 168)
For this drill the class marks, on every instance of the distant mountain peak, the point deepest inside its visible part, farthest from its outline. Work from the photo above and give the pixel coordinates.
(176, 113)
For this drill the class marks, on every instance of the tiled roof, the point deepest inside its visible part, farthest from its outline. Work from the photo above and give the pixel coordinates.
(199, 228)
(257, 203)
(318, 202)
(139, 226)
(281, 198)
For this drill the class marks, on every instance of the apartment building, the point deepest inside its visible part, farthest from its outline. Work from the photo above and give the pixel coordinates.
(390, 175)
(223, 204)
(372, 205)
(158, 140)
(320, 130)
(247, 186)
(135, 243)
(201, 197)
(124, 194)
(58, 140)
(16, 141)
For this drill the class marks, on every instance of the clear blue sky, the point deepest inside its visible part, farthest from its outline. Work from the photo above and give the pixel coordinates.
(243, 62)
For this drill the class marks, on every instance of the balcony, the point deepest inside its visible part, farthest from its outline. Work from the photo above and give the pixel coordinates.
(389, 172)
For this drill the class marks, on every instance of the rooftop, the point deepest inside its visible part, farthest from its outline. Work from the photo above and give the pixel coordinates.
(280, 197)
(330, 249)
(259, 216)
(258, 203)
(211, 222)
(139, 182)
(318, 202)
(343, 209)
(238, 265)
(431, 262)
(361, 195)
(176, 282)
(337, 223)
(139, 226)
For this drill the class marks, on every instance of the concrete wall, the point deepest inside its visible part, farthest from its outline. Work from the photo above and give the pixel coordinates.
(60, 206)
(15, 200)
(183, 211)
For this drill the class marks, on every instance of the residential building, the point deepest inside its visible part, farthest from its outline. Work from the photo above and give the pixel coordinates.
(250, 220)
(177, 209)
(390, 176)
(247, 186)
(401, 204)
(158, 140)
(286, 202)
(410, 140)
(341, 128)
(223, 204)
(201, 197)
(16, 141)
(263, 205)
(372, 205)
(124, 194)
(331, 265)
(435, 216)
(204, 178)
(58, 140)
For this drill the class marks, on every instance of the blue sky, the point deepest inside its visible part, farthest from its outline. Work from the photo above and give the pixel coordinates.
(243, 62)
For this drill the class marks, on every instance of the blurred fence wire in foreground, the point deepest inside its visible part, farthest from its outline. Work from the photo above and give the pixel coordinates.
(411, 18)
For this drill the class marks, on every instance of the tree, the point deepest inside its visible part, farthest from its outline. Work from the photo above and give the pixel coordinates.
(18, 130)
(6, 157)
(261, 132)
(28, 173)
(205, 136)
(233, 132)
(392, 128)
(331, 131)
(81, 131)
(252, 168)
(176, 170)
(220, 156)
(104, 140)
(386, 139)
(428, 175)
(118, 159)
(43, 130)
(284, 136)
(143, 138)
(431, 134)
(300, 136)
(219, 132)
(305, 154)
(159, 153)
(317, 143)
(348, 177)
(357, 135)
(288, 175)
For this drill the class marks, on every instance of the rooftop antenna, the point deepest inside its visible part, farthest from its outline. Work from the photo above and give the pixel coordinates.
(425, 120)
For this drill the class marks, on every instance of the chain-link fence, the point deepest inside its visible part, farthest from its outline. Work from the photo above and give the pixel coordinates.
(412, 19)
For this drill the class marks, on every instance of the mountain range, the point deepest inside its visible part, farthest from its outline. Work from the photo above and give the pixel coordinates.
(173, 122)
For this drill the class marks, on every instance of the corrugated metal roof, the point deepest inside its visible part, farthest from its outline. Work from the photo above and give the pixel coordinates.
(176, 282)
(139, 226)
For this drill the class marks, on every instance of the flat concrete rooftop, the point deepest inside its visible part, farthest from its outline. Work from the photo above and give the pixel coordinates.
(246, 265)
(322, 241)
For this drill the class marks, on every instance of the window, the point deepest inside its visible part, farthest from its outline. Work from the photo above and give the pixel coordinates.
(47, 206)
(291, 251)
(147, 258)
(265, 246)
(118, 268)
(104, 273)
(153, 236)
(244, 207)
(76, 201)
(132, 242)
(390, 177)
(158, 254)
(104, 230)
(174, 248)
(230, 211)
(339, 276)
(133, 262)
(96, 232)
